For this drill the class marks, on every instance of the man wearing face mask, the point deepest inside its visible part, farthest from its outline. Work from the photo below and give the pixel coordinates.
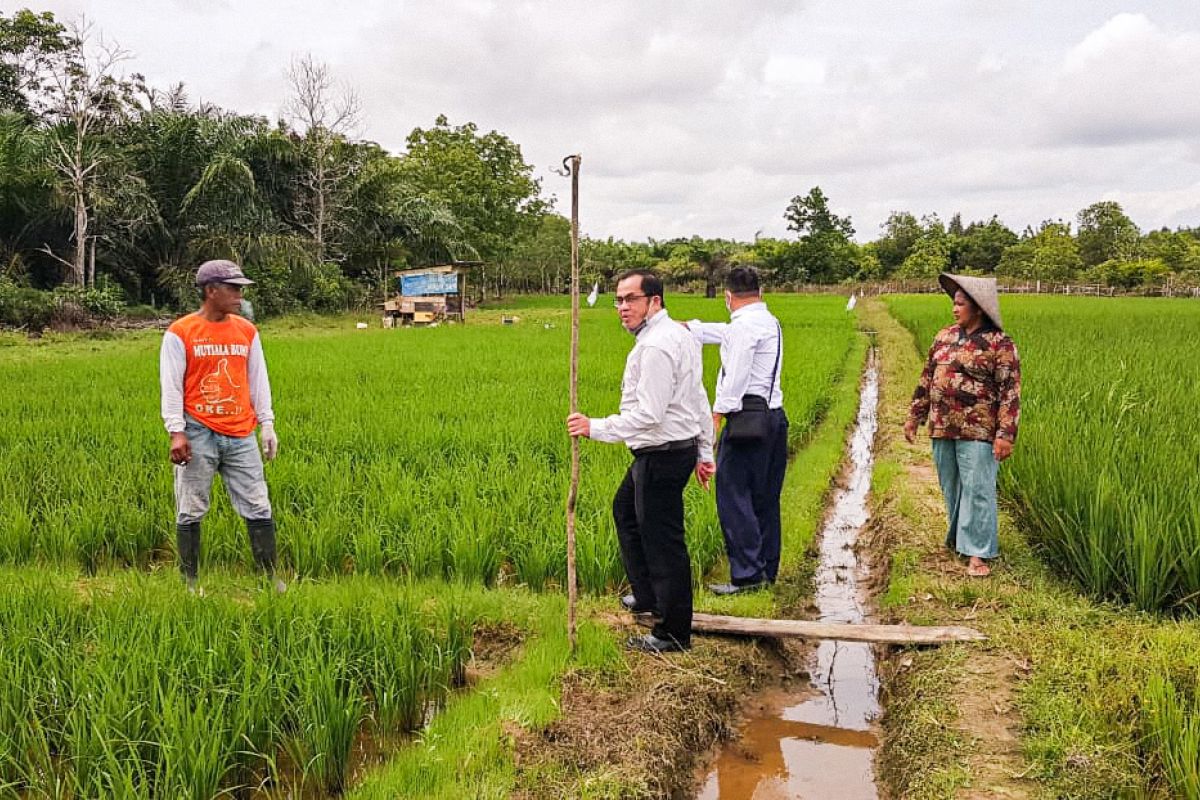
(665, 420)
(752, 448)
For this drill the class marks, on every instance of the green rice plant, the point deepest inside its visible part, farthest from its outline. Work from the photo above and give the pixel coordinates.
(399, 680)
(324, 719)
(1172, 725)
(140, 690)
(197, 744)
(428, 453)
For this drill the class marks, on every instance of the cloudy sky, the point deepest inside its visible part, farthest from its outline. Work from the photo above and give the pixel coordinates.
(704, 117)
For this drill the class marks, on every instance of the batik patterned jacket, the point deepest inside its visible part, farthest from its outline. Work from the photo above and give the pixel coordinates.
(970, 387)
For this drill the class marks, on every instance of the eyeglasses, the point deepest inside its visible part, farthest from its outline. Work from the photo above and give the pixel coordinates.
(624, 300)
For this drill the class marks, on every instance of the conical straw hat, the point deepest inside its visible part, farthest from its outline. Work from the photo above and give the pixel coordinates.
(981, 290)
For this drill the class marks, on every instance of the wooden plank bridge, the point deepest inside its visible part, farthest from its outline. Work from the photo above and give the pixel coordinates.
(843, 631)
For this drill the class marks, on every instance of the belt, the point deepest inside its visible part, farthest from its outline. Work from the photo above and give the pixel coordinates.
(668, 447)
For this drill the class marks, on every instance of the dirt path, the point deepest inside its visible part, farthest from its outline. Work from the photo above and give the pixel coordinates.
(951, 724)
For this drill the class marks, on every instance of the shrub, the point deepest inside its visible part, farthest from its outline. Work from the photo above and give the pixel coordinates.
(23, 307)
(1129, 274)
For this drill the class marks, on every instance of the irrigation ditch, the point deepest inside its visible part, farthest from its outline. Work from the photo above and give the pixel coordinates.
(819, 738)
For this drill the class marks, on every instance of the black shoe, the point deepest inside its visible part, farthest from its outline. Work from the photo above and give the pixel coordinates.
(649, 643)
(726, 589)
(629, 603)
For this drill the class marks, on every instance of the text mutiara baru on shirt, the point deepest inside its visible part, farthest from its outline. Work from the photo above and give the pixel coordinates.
(200, 350)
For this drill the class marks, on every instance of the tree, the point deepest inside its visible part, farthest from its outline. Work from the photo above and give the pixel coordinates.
(1129, 274)
(900, 232)
(84, 97)
(212, 181)
(779, 260)
(1178, 250)
(31, 47)
(699, 259)
(955, 228)
(541, 262)
(826, 254)
(604, 259)
(870, 268)
(930, 253)
(929, 257)
(1106, 234)
(810, 216)
(26, 188)
(326, 115)
(389, 224)
(482, 178)
(1050, 254)
(981, 246)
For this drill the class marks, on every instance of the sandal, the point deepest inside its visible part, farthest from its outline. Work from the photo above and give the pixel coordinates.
(979, 570)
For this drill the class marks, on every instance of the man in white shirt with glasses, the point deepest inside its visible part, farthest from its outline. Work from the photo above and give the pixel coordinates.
(665, 420)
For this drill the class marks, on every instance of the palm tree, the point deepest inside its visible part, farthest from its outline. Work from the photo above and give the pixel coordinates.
(27, 212)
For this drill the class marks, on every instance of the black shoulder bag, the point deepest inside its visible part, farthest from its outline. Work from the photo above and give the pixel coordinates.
(752, 422)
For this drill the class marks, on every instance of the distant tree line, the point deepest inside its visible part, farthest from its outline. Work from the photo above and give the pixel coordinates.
(1103, 247)
(112, 191)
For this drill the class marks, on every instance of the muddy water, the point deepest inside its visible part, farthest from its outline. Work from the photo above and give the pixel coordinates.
(820, 743)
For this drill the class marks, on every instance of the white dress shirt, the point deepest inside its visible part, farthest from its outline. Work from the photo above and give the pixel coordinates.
(750, 343)
(662, 393)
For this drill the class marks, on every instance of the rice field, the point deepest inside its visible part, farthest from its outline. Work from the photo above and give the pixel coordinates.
(1104, 477)
(130, 688)
(419, 492)
(425, 453)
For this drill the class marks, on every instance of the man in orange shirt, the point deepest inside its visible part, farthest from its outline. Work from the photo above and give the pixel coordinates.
(215, 392)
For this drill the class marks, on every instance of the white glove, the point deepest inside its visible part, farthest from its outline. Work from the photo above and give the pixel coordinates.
(270, 442)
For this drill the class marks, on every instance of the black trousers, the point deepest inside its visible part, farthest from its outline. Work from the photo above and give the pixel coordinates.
(648, 512)
(749, 482)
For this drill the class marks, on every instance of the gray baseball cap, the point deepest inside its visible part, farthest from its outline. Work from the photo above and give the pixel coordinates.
(221, 271)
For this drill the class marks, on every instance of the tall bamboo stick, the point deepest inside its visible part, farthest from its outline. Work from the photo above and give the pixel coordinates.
(572, 164)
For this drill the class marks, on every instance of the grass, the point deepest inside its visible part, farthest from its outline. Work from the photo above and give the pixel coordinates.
(422, 479)
(467, 751)
(426, 452)
(1099, 691)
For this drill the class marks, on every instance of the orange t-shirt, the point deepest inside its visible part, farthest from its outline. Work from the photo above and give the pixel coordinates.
(216, 386)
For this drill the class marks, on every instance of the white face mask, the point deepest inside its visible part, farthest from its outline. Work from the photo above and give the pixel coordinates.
(729, 302)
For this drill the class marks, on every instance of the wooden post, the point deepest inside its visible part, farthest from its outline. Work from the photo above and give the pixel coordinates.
(571, 163)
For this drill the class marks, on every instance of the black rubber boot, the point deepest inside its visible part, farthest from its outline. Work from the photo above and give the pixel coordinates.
(187, 542)
(262, 544)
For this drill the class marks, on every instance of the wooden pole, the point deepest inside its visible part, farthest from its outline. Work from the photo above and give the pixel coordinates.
(572, 164)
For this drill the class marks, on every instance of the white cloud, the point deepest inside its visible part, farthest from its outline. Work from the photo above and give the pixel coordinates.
(707, 117)
(1128, 81)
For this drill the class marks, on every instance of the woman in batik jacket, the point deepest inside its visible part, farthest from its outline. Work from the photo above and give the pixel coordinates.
(970, 391)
